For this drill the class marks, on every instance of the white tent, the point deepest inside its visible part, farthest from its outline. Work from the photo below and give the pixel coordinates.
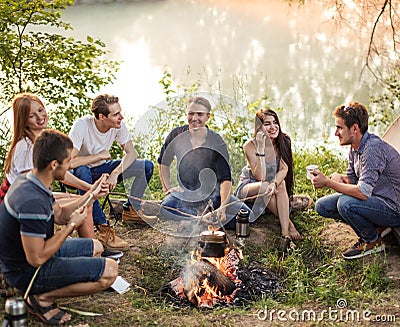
(392, 135)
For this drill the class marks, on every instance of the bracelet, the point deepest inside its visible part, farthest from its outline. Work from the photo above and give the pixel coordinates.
(260, 154)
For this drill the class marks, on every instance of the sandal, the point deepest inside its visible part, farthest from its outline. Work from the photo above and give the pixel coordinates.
(50, 315)
(301, 202)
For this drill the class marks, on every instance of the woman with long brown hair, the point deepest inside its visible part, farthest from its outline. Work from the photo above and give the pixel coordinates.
(30, 119)
(268, 176)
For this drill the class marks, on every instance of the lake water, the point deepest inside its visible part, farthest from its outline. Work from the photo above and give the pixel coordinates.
(295, 55)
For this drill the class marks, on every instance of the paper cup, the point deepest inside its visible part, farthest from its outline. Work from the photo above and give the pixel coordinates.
(310, 169)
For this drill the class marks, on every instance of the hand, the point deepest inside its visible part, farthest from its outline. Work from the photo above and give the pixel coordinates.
(78, 216)
(104, 155)
(260, 141)
(271, 189)
(340, 178)
(212, 218)
(208, 218)
(221, 215)
(100, 188)
(112, 180)
(318, 179)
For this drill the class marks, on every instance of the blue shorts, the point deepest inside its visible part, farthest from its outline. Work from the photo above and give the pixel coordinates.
(72, 263)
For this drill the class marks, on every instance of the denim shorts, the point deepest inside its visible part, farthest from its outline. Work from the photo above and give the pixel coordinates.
(72, 263)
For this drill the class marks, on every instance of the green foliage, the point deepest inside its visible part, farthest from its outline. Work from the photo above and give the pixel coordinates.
(386, 106)
(63, 71)
(328, 161)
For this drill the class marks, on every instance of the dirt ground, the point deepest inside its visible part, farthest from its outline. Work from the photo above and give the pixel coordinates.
(143, 237)
(340, 236)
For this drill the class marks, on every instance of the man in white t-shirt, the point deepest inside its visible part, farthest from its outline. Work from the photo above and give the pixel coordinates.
(93, 137)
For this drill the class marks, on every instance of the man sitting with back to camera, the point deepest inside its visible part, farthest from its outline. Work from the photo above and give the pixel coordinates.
(69, 267)
(93, 137)
(203, 170)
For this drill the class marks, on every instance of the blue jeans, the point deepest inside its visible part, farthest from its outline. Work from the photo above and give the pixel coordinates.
(197, 208)
(72, 263)
(362, 215)
(142, 170)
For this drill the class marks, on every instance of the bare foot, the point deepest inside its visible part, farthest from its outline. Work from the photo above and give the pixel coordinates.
(294, 234)
(66, 317)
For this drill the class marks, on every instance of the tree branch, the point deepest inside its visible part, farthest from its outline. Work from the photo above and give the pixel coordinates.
(18, 57)
(392, 26)
(371, 40)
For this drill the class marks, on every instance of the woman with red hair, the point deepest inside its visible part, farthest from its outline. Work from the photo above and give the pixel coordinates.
(30, 119)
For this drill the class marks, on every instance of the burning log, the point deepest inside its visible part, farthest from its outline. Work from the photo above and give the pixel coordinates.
(202, 275)
(211, 278)
(204, 285)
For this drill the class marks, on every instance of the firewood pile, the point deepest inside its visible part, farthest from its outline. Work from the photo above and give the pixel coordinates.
(205, 284)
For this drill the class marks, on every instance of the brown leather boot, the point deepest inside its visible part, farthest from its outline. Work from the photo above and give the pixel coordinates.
(130, 215)
(106, 235)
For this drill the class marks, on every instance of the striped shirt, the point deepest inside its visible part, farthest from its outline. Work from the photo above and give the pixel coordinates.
(375, 168)
(27, 210)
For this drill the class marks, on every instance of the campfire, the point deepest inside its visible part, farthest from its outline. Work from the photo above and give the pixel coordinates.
(211, 277)
(215, 275)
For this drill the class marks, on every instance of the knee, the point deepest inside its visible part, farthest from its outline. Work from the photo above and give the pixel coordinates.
(148, 167)
(345, 204)
(83, 172)
(325, 208)
(110, 273)
(319, 207)
(97, 248)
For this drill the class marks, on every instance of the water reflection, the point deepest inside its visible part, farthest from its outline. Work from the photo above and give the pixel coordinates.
(291, 54)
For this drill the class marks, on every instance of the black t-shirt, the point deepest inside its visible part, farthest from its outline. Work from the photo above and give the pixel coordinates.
(200, 169)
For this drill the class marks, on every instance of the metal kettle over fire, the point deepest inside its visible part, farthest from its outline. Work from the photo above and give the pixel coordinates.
(212, 244)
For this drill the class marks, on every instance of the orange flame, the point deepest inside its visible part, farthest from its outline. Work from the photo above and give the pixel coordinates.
(208, 295)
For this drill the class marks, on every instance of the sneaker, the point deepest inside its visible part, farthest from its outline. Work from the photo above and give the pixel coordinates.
(362, 249)
(112, 254)
(130, 215)
(106, 235)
